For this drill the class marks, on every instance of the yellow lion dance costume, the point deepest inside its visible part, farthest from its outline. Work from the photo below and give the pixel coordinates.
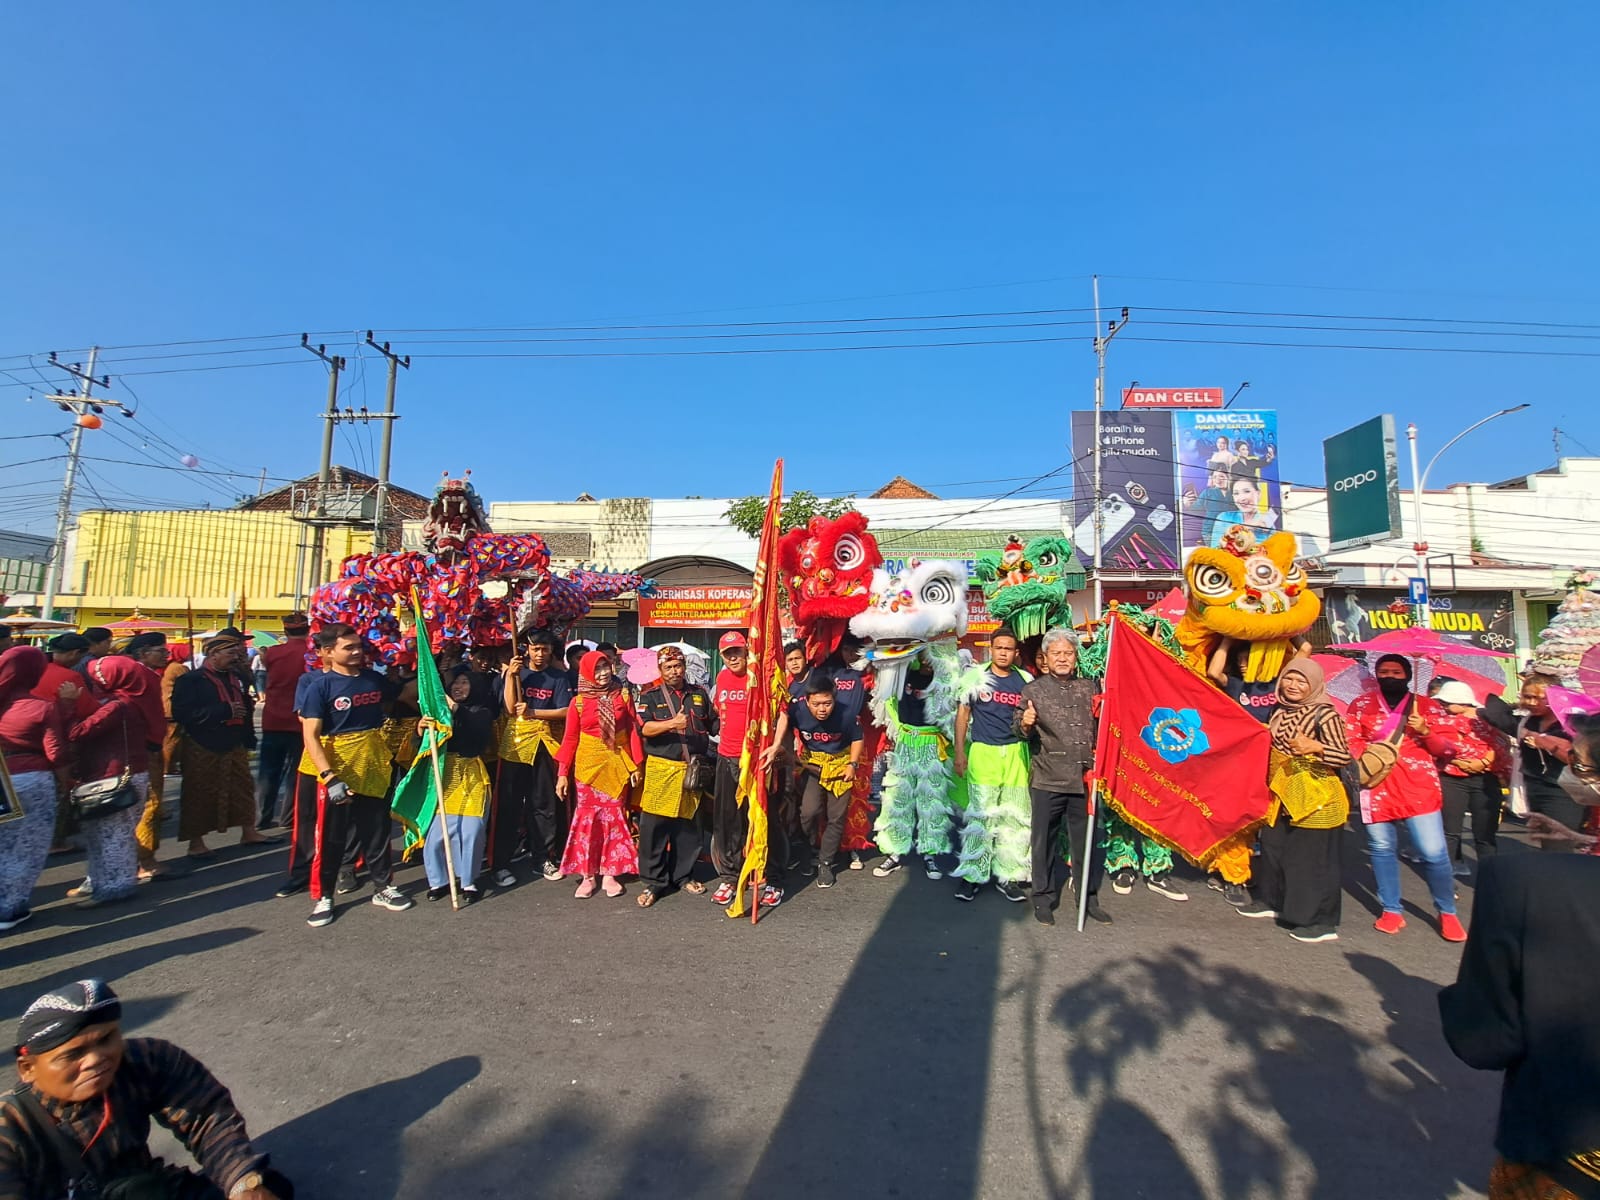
(1253, 594)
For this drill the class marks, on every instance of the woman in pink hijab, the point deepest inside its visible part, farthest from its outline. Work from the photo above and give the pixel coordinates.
(114, 738)
(33, 740)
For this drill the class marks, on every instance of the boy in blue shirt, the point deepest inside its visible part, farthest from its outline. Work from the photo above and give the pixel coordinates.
(830, 747)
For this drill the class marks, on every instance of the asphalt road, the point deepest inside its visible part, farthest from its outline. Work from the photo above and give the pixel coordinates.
(878, 1039)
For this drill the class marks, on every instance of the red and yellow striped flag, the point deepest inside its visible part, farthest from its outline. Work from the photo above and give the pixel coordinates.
(767, 694)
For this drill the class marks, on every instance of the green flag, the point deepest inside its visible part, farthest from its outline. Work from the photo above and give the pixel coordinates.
(417, 798)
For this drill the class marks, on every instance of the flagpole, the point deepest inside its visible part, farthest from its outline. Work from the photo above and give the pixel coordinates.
(190, 608)
(1091, 789)
(444, 821)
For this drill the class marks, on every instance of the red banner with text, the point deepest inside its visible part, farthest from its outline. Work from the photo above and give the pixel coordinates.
(1177, 757)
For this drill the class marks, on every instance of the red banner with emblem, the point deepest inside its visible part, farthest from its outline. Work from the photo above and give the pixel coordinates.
(1176, 757)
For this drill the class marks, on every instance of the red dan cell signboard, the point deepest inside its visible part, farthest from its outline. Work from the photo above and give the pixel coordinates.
(1137, 397)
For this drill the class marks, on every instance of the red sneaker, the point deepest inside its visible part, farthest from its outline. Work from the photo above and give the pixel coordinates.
(1390, 923)
(724, 894)
(1450, 928)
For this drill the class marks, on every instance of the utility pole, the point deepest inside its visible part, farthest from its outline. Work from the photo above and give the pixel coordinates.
(395, 363)
(83, 405)
(325, 472)
(1100, 344)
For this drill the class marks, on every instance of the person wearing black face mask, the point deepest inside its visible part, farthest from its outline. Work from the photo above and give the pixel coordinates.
(1410, 795)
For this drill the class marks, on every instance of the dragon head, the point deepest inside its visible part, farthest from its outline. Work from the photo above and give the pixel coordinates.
(1252, 592)
(454, 517)
(827, 572)
(1025, 586)
(908, 609)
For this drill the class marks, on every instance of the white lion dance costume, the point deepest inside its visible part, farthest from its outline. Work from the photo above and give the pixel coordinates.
(916, 616)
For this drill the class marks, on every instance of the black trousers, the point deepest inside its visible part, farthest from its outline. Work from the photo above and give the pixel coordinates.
(1550, 800)
(1298, 873)
(525, 803)
(367, 819)
(1477, 796)
(303, 830)
(669, 847)
(277, 756)
(730, 824)
(1050, 809)
(817, 805)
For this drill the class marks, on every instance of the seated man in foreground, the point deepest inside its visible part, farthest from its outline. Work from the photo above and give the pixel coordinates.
(79, 1122)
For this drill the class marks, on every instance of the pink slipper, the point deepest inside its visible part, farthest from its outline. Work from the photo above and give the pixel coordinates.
(613, 888)
(585, 889)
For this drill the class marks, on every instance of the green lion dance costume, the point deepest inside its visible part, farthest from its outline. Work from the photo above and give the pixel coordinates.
(910, 629)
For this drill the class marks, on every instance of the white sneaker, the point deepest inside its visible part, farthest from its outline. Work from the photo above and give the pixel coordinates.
(392, 898)
(321, 913)
(887, 867)
(552, 872)
(855, 860)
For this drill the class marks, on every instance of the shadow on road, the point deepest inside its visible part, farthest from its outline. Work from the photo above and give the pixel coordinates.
(97, 963)
(1301, 1105)
(892, 1098)
(354, 1146)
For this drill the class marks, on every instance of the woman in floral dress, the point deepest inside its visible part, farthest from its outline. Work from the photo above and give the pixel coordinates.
(603, 752)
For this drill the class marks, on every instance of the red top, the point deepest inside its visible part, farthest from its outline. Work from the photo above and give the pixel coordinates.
(284, 663)
(50, 683)
(109, 739)
(583, 713)
(32, 735)
(1412, 788)
(732, 701)
(1465, 735)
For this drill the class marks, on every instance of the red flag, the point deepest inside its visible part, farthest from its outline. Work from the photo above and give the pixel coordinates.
(1175, 756)
(767, 693)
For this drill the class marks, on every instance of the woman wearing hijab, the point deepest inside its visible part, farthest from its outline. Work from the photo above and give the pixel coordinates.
(33, 740)
(1297, 878)
(149, 650)
(463, 811)
(104, 744)
(605, 765)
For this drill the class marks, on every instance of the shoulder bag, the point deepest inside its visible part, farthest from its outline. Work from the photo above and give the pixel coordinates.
(700, 773)
(1372, 766)
(103, 797)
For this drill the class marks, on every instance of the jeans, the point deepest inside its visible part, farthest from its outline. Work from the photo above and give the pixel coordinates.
(1427, 835)
(277, 760)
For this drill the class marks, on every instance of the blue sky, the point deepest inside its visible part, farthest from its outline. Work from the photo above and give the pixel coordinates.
(185, 172)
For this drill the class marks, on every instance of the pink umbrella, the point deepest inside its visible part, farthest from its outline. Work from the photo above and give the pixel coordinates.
(643, 669)
(1567, 704)
(1348, 684)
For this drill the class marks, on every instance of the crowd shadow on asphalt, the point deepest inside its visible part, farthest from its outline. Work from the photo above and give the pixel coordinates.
(1294, 1103)
(891, 1100)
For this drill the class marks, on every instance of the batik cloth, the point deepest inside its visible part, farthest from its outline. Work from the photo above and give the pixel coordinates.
(360, 759)
(218, 792)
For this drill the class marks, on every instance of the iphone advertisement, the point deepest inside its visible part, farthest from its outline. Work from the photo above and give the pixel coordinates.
(1139, 506)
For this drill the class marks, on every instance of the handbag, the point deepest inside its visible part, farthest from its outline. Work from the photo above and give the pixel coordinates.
(1372, 766)
(103, 797)
(700, 772)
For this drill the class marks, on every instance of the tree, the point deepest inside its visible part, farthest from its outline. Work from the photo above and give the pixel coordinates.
(746, 515)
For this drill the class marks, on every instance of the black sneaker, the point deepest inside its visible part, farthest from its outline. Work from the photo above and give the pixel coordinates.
(1164, 885)
(1043, 915)
(1315, 933)
(1235, 894)
(347, 882)
(1122, 882)
(1010, 891)
(1095, 913)
(825, 876)
(967, 890)
(808, 868)
(1257, 910)
(290, 889)
(888, 866)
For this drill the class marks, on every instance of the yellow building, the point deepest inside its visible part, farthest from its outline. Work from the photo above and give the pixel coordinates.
(209, 561)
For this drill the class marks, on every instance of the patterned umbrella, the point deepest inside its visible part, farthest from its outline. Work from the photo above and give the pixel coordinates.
(137, 622)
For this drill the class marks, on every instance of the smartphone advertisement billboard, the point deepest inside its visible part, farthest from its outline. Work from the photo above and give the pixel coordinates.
(1227, 471)
(1139, 501)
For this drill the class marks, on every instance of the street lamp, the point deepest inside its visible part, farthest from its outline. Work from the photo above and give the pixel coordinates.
(1419, 482)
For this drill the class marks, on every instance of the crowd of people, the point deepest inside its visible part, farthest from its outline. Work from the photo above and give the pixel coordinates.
(555, 759)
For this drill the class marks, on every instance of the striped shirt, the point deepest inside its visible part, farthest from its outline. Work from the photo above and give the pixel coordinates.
(156, 1080)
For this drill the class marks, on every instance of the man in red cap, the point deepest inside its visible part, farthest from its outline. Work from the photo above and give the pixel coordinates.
(729, 819)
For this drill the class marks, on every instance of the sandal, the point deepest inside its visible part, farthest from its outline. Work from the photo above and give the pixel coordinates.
(647, 898)
(695, 888)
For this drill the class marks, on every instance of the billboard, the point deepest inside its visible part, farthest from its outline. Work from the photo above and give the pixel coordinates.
(1363, 473)
(1482, 618)
(1139, 500)
(1227, 473)
(1142, 397)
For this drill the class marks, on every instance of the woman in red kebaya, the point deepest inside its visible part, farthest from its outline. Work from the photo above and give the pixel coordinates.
(602, 750)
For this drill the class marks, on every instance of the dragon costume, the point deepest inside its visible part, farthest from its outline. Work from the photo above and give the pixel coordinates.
(916, 616)
(473, 583)
(1025, 586)
(1251, 593)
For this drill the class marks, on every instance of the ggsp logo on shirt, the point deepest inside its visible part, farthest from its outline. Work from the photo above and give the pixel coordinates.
(346, 703)
(733, 697)
(1265, 700)
(1014, 699)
